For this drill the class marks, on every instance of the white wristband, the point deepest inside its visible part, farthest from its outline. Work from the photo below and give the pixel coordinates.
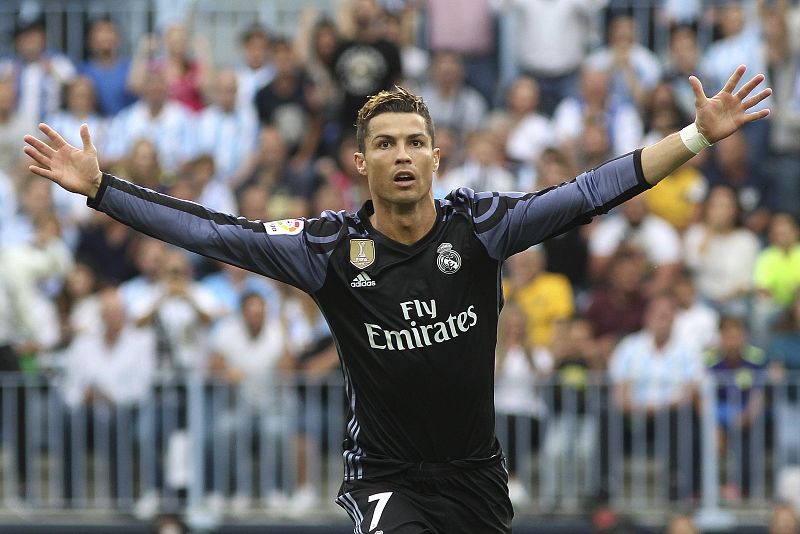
(693, 139)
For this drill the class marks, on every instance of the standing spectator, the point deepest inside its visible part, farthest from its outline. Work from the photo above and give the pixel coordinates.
(106, 246)
(683, 61)
(142, 166)
(187, 67)
(155, 117)
(552, 39)
(637, 229)
(290, 103)
(634, 69)
(148, 255)
(397, 28)
(784, 371)
(531, 132)
(39, 73)
(739, 371)
(12, 123)
(365, 63)
(722, 254)
(315, 44)
(256, 69)
(655, 376)
(453, 103)
(482, 170)
(106, 68)
(621, 120)
(695, 321)
(545, 298)
(225, 130)
(466, 29)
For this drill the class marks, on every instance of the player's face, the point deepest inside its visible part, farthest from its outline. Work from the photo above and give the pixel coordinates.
(399, 159)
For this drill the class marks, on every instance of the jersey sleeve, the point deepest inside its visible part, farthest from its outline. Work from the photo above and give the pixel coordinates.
(295, 251)
(507, 223)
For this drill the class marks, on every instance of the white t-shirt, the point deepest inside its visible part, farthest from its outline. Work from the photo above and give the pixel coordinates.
(656, 237)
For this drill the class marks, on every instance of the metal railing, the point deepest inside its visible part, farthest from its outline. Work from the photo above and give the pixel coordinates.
(205, 445)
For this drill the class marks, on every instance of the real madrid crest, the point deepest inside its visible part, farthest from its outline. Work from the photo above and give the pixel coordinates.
(362, 252)
(448, 261)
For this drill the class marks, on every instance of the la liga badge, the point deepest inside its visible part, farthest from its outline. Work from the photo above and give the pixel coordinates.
(284, 227)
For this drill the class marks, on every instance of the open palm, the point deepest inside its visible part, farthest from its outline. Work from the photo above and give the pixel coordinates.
(724, 113)
(74, 169)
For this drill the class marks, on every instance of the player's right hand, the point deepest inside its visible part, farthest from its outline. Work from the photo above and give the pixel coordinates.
(74, 169)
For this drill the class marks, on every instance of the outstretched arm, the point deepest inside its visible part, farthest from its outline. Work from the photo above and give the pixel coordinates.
(717, 118)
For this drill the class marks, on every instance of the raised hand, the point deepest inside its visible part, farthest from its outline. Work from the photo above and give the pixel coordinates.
(724, 113)
(74, 169)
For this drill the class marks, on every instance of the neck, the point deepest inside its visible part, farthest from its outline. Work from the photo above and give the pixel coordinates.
(406, 225)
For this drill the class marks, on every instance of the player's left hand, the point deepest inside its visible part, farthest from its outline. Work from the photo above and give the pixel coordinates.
(724, 113)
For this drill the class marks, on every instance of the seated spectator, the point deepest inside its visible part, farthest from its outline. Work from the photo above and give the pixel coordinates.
(616, 309)
(106, 245)
(156, 117)
(520, 366)
(107, 68)
(78, 304)
(255, 69)
(39, 73)
(635, 229)
(593, 145)
(187, 66)
(482, 170)
(594, 104)
(571, 441)
(196, 183)
(739, 370)
(35, 200)
(451, 101)
(225, 130)
(545, 298)
(142, 166)
(289, 103)
(721, 253)
(695, 321)
(531, 132)
(634, 69)
(250, 352)
(148, 253)
(655, 377)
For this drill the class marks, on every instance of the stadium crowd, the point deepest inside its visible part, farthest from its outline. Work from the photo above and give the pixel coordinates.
(699, 275)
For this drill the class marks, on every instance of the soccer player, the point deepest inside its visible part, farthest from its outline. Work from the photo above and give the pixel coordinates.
(410, 286)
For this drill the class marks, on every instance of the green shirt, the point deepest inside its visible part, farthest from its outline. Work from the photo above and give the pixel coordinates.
(779, 273)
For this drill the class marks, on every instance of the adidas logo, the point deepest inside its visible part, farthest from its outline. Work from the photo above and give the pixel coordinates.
(362, 280)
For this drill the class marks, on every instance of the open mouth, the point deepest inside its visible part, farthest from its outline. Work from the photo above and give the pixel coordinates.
(404, 178)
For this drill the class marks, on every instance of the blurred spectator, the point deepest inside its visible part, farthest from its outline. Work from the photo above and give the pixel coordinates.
(681, 524)
(655, 376)
(593, 104)
(155, 117)
(784, 520)
(290, 103)
(545, 298)
(364, 63)
(695, 321)
(682, 62)
(107, 69)
(196, 181)
(254, 203)
(634, 69)
(482, 170)
(142, 166)
(776, 274)
(730, 165)
(739, 371)
(250, 352)
(451, 101)
(148, 254)
(552, 39)
(78, 304)
(784, 370)
(722, 254)
(635, 229)
(593, 146)
(466, 29)
(342, 175)
(784, 66)
(35, 200)
(13, 126)
(106, 245)
(187, 66)
(571, 441)
(520, 366)
(39, 73)
(226, 131)
(616, 309)
(256, 69)
(315, 44)
(112, 364)
(398, 29)
(531, 132)
(231, 283)
(180, 311)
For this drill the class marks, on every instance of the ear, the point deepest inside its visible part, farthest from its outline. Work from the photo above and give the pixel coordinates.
(361, 163)
(436, 155)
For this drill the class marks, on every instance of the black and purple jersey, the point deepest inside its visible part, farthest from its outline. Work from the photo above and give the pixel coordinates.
(415, 325)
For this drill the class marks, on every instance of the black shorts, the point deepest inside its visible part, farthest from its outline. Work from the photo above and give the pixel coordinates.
(433, 500)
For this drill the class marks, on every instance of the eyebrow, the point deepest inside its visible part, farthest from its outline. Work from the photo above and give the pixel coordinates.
(392, 138)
